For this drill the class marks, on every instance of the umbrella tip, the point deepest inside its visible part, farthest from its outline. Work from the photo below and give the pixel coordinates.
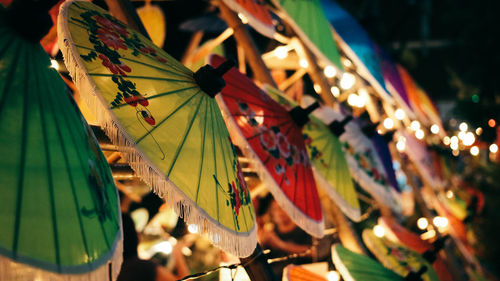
(210, 79)
(301, 115)
(338, 127)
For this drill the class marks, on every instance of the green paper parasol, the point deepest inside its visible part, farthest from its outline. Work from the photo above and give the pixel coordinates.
(308, 20)
(170, 131)
(59, 213)
(329, 164)
(357, 267)
(397, 257)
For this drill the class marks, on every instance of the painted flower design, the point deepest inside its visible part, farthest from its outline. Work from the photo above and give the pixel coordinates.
(240, 176)
(111, 25)
(111, 39)
(284, 145)
(114, 68)
(268, 138)
(235, 198)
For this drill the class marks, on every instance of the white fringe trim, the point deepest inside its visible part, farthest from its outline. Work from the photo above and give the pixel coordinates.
(236, 243)
(314, 228)
(339, 264)
(350, 211)
(11, 270)
(262, 28)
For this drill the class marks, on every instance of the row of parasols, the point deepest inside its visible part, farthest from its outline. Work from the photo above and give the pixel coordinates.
(59, 212)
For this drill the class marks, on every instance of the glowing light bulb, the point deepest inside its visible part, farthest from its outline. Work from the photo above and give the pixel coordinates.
(479, 131)
(446, 140)
(317, 88)
(469, 139)
(347, 81)
(379, 231)
(455, 152)
(449, 194)
(330, 71)
(164, 247)
(454, 145)
(461, 135)
(243, 18)
(399, 114)
(400, 145)
(335, 91)
(492, 123)
(192, 228)
(435, 129)
(463, 126)
(54, 64)
(474, 150)
(281, 52)
(347, 63)
(333, 276)
(440, 221)
(422, 223)
(303, 63)
(415, 125)
(454, 139)
(388, 123)
(419, 134)
(355, 100)
(493, 148)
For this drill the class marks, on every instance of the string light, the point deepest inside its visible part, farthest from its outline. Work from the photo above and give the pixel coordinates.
(446, 140)
(492, 123)
(379, 231)
(435, 129)
(419, 134)
(281, 52)
(54, 64)
(474, 150)
(335, 91)
(461, 135)
(399, 114)
(192, 228)
(463, 126)
(469, 139)
(303, 63)
(347, 81)
(449, 194)
(401, 145)
(454, 139)
(388, 123)
(317, 88)
(455, 152)
(415, 125)
(479, 131)
(422, 223)
(330, 71)
(355, 100)
(454, 145)
(493, 148)
(333, 276)
(346, 62)
(243, 18)
(440, 222)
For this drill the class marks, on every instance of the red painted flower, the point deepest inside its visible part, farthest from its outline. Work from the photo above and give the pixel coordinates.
(237, 199)
(114, 68)
(148, 117)
(268, 138)
(112, 26)
(111, 39)
(241, 178)
(133, 100)
(284, 145)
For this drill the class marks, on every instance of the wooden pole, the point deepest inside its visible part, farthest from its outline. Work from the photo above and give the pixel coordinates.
(125, 11)
(257, 267)
(243, 39)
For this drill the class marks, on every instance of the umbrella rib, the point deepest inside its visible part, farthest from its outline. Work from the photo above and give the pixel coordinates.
(215, 162)
(179, 148)
(139, 77)
(226, 93)
(158, 95)
(68, 170)
(262, 115)
(20, 187)
(202, 152)
(167, 117)
(49, 178)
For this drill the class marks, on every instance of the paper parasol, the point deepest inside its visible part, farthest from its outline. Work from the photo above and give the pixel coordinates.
(357, 45)
(268, 135)
(329, 164)
(169, 130)
(256, 13)
(364, 163)
(59, 212)
(308, 20)
(398, 258)
(356, 267)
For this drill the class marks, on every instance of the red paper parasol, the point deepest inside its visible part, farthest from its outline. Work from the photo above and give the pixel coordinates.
(268, 134)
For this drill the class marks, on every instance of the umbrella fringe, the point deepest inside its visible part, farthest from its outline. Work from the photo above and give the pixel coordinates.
(314, 228)
(352, 212)
(340, 266)
(236, 243)
(12, 270)
(377, 191)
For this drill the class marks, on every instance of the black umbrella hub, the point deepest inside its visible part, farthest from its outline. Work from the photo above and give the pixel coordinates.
(210, 79)
(301, 115)
(338, 127)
